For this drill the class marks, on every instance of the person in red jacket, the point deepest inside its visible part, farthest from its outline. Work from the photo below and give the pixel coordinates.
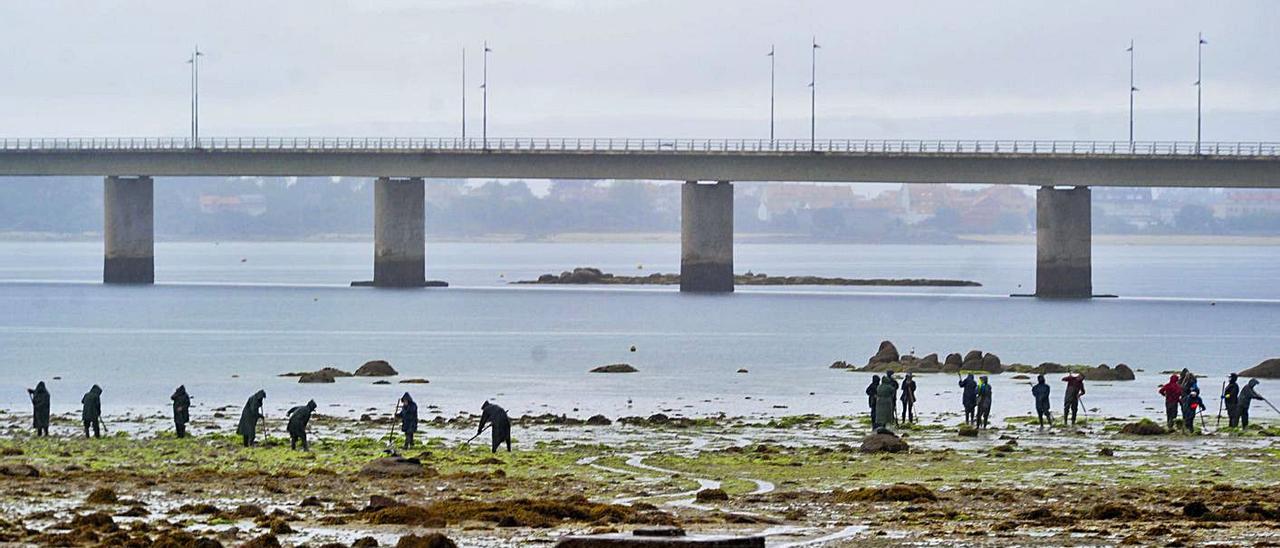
(1172, 392)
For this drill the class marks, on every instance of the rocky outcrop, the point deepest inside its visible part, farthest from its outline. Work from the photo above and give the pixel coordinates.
(954, 360)
(1120, 372)
(841, 364)
(394, 467)
(615, 368)
(592, 275)
(1143, 427)
(711, 495)
(1268, 369)
(326, 375)
(887, 353)
(376, 368)
(887, 358)
(883, 442)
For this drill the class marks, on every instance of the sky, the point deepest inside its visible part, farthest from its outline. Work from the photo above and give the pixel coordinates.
(979, 69)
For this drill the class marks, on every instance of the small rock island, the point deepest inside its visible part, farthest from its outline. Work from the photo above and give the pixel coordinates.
(594, 276)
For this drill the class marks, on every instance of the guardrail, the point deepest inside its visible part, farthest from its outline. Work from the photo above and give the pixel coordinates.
(622, 145)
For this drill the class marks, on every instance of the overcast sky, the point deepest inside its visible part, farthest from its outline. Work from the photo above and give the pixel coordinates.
(887, 69)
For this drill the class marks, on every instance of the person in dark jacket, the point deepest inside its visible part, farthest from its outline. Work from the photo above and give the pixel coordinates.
(1191, 406)
(39, 408)
(181, 411)
(889, 379)
(908, 399)
(408, 416)
(1187, 380)
(1231, 401)
(984, 402)
(1247, 395)
(1071, 399)
(1172, 392)
(248, 427)
(885, 399)
(497, 416)
(872, 390)
(299, 418)
(91, 411)
(969, 397)
(1041, 393)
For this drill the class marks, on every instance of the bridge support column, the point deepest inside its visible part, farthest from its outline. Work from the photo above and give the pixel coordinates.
(706, 232)
(128, 231)
(399, 232)
(1064, 230)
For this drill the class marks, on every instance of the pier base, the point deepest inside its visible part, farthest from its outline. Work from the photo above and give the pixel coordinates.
(128, 230)
(706, 232)
(1064, 231)
(399, 232)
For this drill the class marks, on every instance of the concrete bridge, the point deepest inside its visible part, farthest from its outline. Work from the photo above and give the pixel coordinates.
(1063, 223)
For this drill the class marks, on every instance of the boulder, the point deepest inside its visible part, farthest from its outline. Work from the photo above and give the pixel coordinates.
(886, 354)
(929, 362)
(615, 368)
(744, 370)
(394, 467)
(1143, 427)
(429, 540)
(711, 495)
(1268, 369)
(17, 469)
(954, 359)
(316, 377)
(378, 502)
(376, 368)
(991, 363)
(599, 420)
(973, 356)
(1049, 367)
(883, 442)
(968, 431)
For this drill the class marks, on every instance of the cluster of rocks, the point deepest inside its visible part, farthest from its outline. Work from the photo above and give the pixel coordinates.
(615, 368)
(591, 275)
(374, 368)
(887, 358)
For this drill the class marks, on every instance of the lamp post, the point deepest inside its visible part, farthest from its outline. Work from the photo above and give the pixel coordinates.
(772, 72)
(194, 61)
(484, 85)
(813, 95)
(1132, 89)
(464, 97)
(1199, 84)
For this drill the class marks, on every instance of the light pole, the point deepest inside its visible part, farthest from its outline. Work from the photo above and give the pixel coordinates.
(464, 97)
(813, 95)
(1199, 84)
(194, 61)
(772, 72)
(484, 120)
(1132, 89)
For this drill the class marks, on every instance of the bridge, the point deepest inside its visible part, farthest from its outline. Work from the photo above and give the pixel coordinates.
(400, 165)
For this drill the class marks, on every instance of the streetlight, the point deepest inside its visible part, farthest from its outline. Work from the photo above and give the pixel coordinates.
(1199, 87)
(464, 97)
(1132, 89)
(813, 96)
(772, 61)
(484, 121)
(194, 61)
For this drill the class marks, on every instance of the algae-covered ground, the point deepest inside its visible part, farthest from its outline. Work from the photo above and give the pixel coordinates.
(800, 480)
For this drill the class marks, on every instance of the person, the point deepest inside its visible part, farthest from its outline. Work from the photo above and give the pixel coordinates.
(885, 397)
(1071, 400)
(181, 411)
(408, 416)
(299, 417)
(1191, 405)
(1247, 395)
(1041, 393)
(248, 427)
(39, 408)
(91, 411)
(1172, 392)
(1187, 381)
(908, 399)
(872, 390)
(893, 399)
(969, 397)
(1231, 400)
(497, 416)
(984, 402)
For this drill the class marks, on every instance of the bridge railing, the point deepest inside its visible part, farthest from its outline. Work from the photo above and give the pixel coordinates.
(645, 145)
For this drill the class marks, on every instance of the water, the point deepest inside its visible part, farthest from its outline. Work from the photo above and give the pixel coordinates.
(227, 318)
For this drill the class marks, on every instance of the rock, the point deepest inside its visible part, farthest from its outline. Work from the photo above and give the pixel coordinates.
(1102, 372)
(264, 541)
(973, 356)
(102, 495)
(393, 466)
(376, 368)
(883, 442)
(991, 363)
(415, 381)
(430, 540)
(898, 492)
(711, 495)
(21, 470)
(954, 360)
(1106, 452)
(1114, 511)
(1268, 369)
(743, 371)
(887, 353)
(599, 420)
(841, 364)
(381, 382)
(365, 542)
(1143, 427)
(968, 431)
(1194, 509)
(1020, 377)
(615, 368)
(1049, 367)
(378, 502)
(929, 362)
(315, 378)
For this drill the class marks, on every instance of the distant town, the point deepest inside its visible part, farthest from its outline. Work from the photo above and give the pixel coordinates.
(266, 208)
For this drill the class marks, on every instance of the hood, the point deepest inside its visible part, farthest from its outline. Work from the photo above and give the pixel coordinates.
(908, 375)
(484, 405)
(311, 405)
(259, 395)
(875, 379)
(40, 387)
(96, 390)
(1233, 376)
(969, 377)
(182, 389)
(1253, 382)
(1173, 379)
(406, 398)
(1039, 379)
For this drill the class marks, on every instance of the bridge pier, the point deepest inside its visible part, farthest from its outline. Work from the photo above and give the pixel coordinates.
(128, 231)
(399, 232)
(706, 237)
(1064, 231)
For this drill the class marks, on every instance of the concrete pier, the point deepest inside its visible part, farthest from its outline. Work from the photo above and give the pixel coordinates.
(399, 233)
(706, 232)
(128, 231)
(1064, 230)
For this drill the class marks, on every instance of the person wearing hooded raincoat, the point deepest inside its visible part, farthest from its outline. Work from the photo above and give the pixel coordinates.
(408, 416)
(91, 411)
(1172, 392)
(884, 413)
(1247, 395)
(39, 408)
(1071, 399)
(1041, 394)
(249, 417)
(984, 402)
(969, 397)
(299, 418)
(871, 398)
(497, 416)
(908, 399)
(1231, 401)
(1192, 405)
(181, 411)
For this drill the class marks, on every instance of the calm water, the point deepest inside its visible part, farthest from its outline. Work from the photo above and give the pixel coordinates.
(259, 309)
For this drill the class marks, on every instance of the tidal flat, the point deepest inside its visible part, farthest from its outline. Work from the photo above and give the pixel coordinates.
(800, 480)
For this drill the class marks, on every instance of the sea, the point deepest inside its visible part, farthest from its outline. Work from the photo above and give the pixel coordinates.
(227, 318)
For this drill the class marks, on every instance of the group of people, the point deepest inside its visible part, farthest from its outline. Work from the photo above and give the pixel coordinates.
(492, 416)
(1182, 395)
